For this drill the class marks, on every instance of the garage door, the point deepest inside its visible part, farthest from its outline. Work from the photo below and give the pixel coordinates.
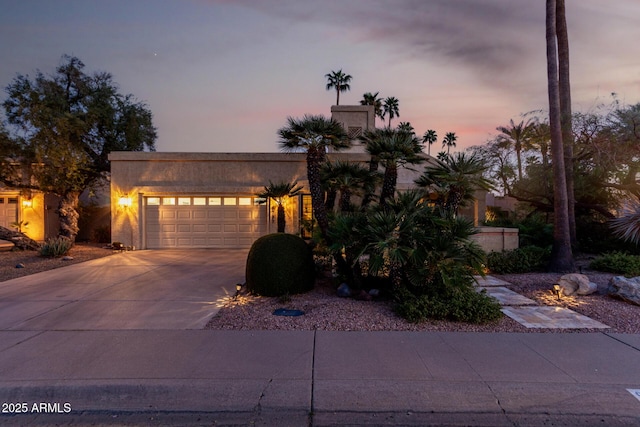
(204, 222)
(8, 210)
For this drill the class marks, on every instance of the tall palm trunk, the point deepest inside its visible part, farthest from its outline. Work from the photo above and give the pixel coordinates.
(373, 168)
(315, 157)
(282, 219)
(561, 255)
(389, 183)
(68, 214)
(345, 200)
(565, 112)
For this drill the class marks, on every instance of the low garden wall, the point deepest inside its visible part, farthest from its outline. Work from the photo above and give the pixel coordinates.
(496, 239)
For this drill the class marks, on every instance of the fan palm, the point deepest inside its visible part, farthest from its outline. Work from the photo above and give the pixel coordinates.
(339, 81)
(278, 193)
(314, 135)
(393, 149)
(455, 180)
(390, 108)
(519, 135)
(449, 141)
(405, 127)
(372, 99)
(429, 138)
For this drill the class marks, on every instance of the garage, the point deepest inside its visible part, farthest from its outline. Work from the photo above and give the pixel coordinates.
(211, 221)
(8, 210)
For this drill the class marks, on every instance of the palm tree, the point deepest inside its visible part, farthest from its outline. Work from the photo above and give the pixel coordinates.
(372, 99)
(393, 149)
(429, 138)
(449, 141)
(278, 193)
(339, 81)
(390, 108)
(406, 127)
(519, 135)
(314, 134)
(561, 254)
(455, 180)
(347, 178)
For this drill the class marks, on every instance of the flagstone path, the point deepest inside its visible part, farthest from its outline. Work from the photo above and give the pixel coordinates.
(527, 311)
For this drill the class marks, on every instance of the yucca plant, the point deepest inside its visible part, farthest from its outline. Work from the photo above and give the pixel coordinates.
(55, 247)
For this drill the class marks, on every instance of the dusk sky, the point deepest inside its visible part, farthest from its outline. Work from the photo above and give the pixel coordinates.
(222, 76)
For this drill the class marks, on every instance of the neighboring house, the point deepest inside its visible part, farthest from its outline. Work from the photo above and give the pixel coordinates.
(35, 208)
(208, 200)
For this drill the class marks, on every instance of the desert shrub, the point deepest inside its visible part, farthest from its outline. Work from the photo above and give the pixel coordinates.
(280, 264)
(55, 247)
(521, 260)
(617, 262)
(458, 304)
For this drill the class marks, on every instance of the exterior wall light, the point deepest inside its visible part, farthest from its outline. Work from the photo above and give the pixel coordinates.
(27, 203)
(124, 202)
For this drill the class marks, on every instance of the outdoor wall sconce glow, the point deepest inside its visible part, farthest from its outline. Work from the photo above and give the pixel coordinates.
(27, 203)
(124, 202)
(557, 290)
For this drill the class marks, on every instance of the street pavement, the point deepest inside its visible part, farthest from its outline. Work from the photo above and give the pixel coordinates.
(120, 341)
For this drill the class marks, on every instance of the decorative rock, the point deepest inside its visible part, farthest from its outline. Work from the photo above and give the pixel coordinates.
(624, 288)
(576, 284)
(344, 290)
(67, 258)
(374, 292)
(363, 296)
(21, 265)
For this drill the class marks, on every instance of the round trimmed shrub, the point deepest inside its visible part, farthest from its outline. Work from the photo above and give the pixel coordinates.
(280, 264)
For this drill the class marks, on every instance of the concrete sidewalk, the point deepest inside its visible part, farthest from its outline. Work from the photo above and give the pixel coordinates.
(320, 378)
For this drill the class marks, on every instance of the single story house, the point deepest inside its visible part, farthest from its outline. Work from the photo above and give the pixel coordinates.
(208, 200)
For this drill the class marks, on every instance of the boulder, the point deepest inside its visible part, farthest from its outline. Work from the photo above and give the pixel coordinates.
(344, 290)
(625, 288)
(576, 284)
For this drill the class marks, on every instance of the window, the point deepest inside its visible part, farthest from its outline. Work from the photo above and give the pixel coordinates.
(199, 201)
(1, 200)
(244, 201)
(153, 201)
(229, 201)
(168, 200)
(184, 201)
(306, 217)
(215, 201)
(13, 200)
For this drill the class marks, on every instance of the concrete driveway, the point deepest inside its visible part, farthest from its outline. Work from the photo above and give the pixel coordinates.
(159, 289)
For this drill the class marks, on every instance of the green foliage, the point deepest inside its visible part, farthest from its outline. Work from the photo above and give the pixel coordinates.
(58, 246)
(533, 230)
(617, 262)
(280, 264)
(102, 234)
(521, 260)
(459, 304)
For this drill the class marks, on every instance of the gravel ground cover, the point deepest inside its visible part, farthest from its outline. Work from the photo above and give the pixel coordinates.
(34, 263)
(325, 311)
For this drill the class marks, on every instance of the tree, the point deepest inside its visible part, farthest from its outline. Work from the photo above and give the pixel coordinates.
(405, 127)
(372, 99)
(62, 128)
(455, 181)
(340, 81)
(390, 108)
(314, 134)
(429, 138)
(449, 141)
(278, 193)
(393, 149)
(519, 136)
(561, 254)
(348, 179)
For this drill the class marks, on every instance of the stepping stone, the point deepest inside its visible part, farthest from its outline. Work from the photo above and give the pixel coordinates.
(552, 318)
(489, 281)
(507, 296)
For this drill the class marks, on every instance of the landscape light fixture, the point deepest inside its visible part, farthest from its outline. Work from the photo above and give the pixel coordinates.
(557, 290)
(238, 289)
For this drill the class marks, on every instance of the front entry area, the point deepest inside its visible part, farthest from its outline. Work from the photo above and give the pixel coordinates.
(8, 210)
(215, 221)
